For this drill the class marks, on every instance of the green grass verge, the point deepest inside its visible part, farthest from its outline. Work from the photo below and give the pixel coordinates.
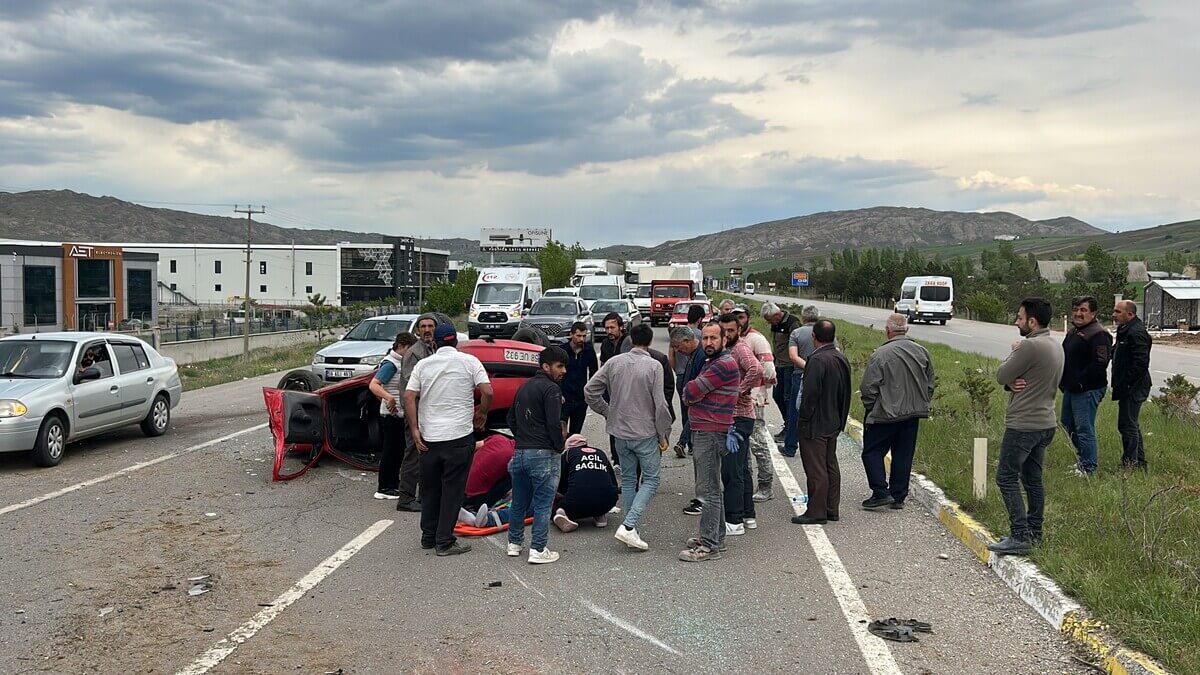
(1152, 604)
(261, 362)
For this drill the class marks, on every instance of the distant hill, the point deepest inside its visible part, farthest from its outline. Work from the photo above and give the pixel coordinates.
(819, 234)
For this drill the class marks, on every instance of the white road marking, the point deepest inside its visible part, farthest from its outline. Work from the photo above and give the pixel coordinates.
(628, 627)
(123, 472)
(1164, 372)
(225, 647)
(874, 650)
(943, 330)
(527, 586)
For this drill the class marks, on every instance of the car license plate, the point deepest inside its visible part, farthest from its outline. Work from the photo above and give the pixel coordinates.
(491, 326)
(340, 374)
(520, 356)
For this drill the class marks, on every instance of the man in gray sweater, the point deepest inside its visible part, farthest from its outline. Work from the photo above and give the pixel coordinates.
(896, 390)
(1031, 374)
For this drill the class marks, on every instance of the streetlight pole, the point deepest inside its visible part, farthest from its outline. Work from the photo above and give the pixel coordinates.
(249, 211)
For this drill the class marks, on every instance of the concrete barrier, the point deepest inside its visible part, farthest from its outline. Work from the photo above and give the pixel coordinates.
(193, 351)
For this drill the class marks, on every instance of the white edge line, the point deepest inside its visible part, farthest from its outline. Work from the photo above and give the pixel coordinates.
(123, 472)
(527, 586)
(225, 647)
(874, 650)
(628, 627)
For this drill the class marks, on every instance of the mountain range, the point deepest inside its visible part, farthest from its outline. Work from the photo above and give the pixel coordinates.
(64, 215)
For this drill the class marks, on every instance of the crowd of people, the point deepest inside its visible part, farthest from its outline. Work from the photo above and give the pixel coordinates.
(723, 374)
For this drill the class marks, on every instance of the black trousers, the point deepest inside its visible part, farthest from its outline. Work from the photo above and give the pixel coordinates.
(498, 491)
(574, 418)
(900, 438)
(1129, 411)
(394, 432)
(745, 427)
(410, 468)
(734, 467)
(444, 469)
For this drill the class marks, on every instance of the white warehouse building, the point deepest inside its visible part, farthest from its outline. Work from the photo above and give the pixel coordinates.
(284, 274)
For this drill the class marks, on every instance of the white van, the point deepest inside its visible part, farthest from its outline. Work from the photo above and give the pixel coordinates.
(602, 287)
(502, 296)
(749, 288)
(927, 299)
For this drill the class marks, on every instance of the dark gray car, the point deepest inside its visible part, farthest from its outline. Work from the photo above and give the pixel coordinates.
(554, 317)
(629, 312)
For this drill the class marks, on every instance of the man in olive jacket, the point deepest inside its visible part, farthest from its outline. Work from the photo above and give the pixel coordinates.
(896, 390)
(1130, 381)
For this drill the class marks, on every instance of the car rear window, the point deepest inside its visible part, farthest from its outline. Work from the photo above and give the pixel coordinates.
(935, 293)
(671, 292)
(130, 357)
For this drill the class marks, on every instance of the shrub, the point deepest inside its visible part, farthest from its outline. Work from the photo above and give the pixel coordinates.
(1178, 399)
(988, 307)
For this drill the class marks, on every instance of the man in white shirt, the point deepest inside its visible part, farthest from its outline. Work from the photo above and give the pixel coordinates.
(438, 404)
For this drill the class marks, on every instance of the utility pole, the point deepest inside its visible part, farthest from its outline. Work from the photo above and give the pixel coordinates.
(249, 211)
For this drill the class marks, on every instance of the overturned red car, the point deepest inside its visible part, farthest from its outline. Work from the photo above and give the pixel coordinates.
(342, 419)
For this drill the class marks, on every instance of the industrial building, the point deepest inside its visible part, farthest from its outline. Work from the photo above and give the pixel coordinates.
(50, 286)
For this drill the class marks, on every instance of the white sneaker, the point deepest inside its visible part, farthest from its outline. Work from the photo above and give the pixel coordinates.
(466, 517)
(735, 530)
(481, 516)
(514, 550)
(542, 557)
(630, 538)
(750, 523)
(562, 522)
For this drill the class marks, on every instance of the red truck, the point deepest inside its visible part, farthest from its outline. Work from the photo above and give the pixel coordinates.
(663, 296)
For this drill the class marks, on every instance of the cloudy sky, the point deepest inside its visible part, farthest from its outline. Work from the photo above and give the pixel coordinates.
(610, 121)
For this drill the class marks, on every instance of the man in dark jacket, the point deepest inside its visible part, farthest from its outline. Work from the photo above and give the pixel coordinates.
(1130, 380)
(782, 325)
(1087, 349)
(824, 407)
(618, 341)
(535, 419)
(581, 366)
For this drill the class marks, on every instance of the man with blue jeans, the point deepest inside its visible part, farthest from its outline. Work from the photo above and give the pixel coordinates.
(535, 420)
(638, 419)
(1030, 373)
(1087, 349)
(783, 324)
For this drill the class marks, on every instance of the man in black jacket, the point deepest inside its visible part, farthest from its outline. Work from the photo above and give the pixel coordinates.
(1087, 349)
(1130, 380)
(824, 407)
(535, 419)
(618, 341)
(581, 366)
(782, 324)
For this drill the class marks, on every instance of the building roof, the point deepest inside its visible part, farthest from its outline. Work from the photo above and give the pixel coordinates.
(1180, 289)
(1055, 271)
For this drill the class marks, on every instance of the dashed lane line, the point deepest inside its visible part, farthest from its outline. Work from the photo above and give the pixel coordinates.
(628, 627)
(209, 659)
(875, 652)
(123, 472)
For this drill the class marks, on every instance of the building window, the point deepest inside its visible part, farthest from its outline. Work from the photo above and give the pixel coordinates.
(216, 267)
(217, 288)
(93, 278)
(173, 270)
(141, 295)
(262, 267)
(172, 286)
(308, 289)
(308, 269)
(262, 288)
(41, 297)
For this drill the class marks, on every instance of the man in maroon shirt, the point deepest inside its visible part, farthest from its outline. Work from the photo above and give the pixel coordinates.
(488, 481)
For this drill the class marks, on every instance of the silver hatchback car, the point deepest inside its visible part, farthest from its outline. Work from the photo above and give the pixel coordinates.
(56, 388)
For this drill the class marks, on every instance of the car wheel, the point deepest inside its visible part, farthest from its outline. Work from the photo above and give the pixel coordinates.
(159, 417)
(301, 380)
(943, 322)
(51, 442)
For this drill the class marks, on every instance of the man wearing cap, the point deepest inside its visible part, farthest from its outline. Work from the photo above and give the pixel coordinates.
(782, 324)
(440, 406)
(760, 490)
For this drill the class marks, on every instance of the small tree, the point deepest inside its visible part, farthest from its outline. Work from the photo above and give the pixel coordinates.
(988, 307)
(452, 298)
(319, 308)
(556, 262)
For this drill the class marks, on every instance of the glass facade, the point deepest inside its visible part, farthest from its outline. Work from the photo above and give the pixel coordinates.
(41, 296)
(140, 294)
(93, 278)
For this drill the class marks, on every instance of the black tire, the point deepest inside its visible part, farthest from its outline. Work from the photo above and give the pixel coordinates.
(158, 419)
(51, 442)
(943, 322)
(301, 380)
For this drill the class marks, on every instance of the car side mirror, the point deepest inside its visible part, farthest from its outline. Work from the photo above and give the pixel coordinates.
(89, 373)
(528, 303)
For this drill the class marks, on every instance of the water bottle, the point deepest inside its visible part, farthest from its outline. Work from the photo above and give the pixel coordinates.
(802, 500)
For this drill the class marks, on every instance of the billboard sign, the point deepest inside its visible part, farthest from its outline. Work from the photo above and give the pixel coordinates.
(513, 240)
(735, 271)
(799, 278)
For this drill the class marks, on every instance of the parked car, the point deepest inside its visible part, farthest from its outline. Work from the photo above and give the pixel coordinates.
(58, 388)
(680, 312)
(566, 292)
(629, 312)
(342, 419)
(554, 316)
(362, 348)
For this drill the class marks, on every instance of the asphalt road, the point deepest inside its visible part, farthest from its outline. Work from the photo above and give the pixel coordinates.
(991, 339)
(314, 576)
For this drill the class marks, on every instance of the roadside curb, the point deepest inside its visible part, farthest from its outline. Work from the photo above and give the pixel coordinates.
(1035, 588)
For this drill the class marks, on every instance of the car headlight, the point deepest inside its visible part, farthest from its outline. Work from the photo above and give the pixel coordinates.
(474, 314)
(372, 360)
(318, 359)
(516, 313)
(12, 408)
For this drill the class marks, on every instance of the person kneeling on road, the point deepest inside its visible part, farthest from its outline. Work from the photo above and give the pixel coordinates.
(488, 481)
(588, 488)
(535, 419)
